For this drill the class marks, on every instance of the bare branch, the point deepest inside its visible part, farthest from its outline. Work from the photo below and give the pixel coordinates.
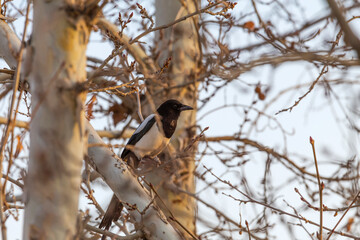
(350, 37)
(321, 187)
(126, 187)
(9, 45)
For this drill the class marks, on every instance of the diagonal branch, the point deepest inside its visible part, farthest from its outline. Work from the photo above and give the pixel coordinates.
(277, 155)
(127, 188)
(135, 50)
(279, 210)
(9, 44)
(350, 37)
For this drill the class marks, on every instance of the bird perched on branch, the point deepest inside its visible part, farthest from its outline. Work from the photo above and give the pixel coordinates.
(148, 140)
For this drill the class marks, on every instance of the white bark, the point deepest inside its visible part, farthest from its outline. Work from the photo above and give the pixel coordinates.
(56, 132)
(9, 44)
(4, 77)
(184, 50)
(128, 189)
(166, 11)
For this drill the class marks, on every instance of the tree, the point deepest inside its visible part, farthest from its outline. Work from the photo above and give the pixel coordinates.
(255, 173)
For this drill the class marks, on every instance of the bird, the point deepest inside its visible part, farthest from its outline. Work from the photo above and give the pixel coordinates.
(149, 139)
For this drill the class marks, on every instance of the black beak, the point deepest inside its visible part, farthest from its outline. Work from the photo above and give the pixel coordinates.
(185, 107)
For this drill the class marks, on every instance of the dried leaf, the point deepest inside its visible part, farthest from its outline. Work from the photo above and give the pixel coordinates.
(260, 94)
(349, 224)
(89, 107)
(19, 146)
(119, 112)
(250, 25)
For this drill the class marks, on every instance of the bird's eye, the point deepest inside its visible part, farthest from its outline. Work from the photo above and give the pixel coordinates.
(175, 106)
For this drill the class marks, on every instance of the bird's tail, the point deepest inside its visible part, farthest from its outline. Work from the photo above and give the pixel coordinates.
(112, 213)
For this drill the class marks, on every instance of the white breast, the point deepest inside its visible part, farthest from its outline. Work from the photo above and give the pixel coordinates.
(151, 144)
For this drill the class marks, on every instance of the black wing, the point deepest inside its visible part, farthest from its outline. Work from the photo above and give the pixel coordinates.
(143, 128)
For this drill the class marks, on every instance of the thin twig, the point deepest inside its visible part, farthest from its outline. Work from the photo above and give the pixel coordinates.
(171, 217)
(312, 142)
(348, 33)
(248, 228)
(350, 37)
(277, 155)
(9, 126)
(183, 227)
(16, 182)
(218, 212)
(323, 71)
(126, 45)
(139, 105)
(272, 207)
(126, 85)
(136, 235)
(12, 143)
(353, 201)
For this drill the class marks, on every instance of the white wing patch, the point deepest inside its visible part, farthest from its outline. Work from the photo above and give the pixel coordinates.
(152, 143)
(143, 124)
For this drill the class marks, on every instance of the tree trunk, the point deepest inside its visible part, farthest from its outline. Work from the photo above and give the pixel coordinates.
(177, 174)
(59, 40)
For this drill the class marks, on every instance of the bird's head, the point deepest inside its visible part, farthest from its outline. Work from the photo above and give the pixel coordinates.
(172, 108)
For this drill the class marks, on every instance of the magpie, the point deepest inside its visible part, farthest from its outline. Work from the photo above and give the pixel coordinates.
(148, 140)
